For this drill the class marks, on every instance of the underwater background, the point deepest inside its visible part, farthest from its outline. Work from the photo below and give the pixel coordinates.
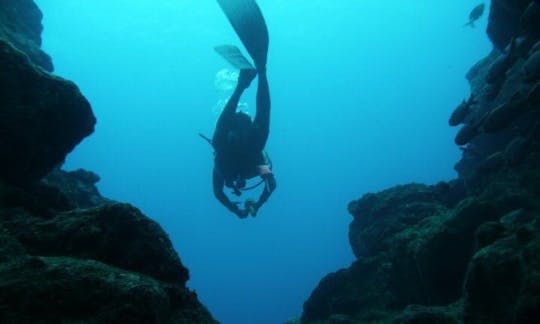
(361, 94)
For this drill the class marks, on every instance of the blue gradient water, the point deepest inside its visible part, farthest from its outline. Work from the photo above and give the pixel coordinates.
(361, 93)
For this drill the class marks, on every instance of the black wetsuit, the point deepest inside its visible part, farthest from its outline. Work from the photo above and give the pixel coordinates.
(239, 147)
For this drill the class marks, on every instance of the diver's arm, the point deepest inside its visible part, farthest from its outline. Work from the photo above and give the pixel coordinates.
(269, 187)
(218, 182)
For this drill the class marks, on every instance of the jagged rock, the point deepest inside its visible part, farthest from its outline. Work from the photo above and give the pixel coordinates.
(496, 122)
(488, 233)
(415, 245)
(61, 289)
(78, 187)
(378, 217)
(20, 24)
(43, 118)
(67, 254)
(108, 263)
(362, 290)
(103, 264)
(441, 249)
(502, 284)
(116, 234)
(458, 255)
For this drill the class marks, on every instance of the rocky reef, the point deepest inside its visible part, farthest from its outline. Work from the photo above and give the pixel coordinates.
(67, 254)
(468, 250)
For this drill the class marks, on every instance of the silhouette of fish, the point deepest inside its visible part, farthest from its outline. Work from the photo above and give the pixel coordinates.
(475, 14)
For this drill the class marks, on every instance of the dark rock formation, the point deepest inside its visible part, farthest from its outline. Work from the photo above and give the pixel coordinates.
(466, 251)
(42, 119)
(103, 263)
(68, 255)
(20, 24)
(78, 186)
(63, 289)
(504, 20)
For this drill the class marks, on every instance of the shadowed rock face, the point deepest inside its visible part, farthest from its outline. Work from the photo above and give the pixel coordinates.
(20, 24)
(466, 251)
(43, 118)
(105, 263)
(67, 254)
(505, 20)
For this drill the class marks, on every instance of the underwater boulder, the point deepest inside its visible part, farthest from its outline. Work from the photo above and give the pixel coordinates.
(361, 291)
(78, 186)
(107, 264)
(69, 290)
(493, 282)
(378, 217)
(43, 118)
(116, 234)
(502, 283)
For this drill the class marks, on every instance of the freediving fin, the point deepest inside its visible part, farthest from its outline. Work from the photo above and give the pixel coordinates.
(247, 20)
(233, 55)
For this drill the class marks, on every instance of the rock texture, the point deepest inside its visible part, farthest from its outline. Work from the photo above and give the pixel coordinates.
(42, 119)
(466, 251)
(20, 24)
(67, 254)
(106, 262)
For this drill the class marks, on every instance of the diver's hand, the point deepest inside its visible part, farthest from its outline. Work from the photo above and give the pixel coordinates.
(251, 207)
(241, 213)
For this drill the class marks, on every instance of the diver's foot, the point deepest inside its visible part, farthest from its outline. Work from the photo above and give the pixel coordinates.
(245, 77)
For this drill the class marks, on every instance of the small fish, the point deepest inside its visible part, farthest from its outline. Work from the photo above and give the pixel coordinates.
(475, 14)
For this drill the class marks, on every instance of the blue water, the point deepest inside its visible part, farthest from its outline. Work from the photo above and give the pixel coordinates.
(361, 94)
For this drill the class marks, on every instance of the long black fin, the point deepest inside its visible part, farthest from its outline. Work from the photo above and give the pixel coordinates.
(247, 20)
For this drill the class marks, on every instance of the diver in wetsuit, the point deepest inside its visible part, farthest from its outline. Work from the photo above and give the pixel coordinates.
(239, 142)
(239, 146)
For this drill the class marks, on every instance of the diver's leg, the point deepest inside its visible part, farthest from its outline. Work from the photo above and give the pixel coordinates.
(262, 117)
(244, 80)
